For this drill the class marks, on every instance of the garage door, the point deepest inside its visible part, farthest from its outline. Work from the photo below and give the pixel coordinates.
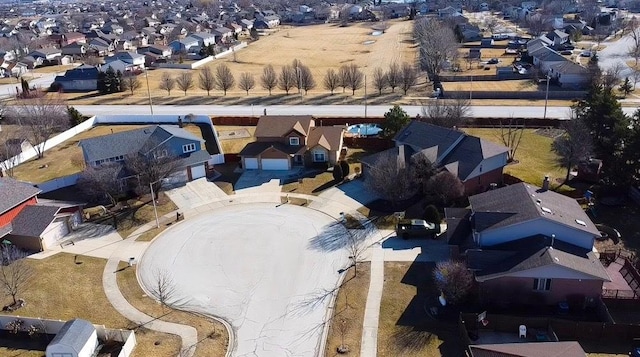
(197, 172)
(275, 164)
(54, 232)
(251, 163)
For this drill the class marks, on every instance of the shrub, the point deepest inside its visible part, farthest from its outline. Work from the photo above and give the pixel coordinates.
(345, 168)
(75, 117)
(337, 172)
(453, 279)
(431, 214)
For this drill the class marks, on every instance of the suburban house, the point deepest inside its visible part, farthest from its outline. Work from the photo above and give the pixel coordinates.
(557, 37)
(569, 74)
(153, 142)
(204, 38)
(476, 162)
(30, 223)
(286, 141)
(133, 61)
(47, 53)
(528, 245)
(75, 49)
(184, 45)
(82, 78)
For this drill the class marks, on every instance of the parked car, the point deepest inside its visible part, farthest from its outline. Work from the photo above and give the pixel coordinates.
(585, 54)
(493, 61)
(566, 52)
(407, 228)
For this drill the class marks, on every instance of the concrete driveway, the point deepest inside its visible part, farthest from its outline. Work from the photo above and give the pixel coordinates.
(266, 180)
(258, 266)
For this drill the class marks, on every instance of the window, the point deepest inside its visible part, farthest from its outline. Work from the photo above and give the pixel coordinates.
(542, 284)
(319, 156)
(294, 141)
(160, 154)
(188, 148)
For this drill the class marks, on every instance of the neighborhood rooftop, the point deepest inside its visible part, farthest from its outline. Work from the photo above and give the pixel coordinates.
(13, 192)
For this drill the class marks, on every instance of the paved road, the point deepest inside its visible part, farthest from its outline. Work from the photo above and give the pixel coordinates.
(43, 81)
(318, 110)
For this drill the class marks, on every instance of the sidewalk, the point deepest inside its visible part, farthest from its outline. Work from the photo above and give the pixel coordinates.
(126, 249)
(369, 342)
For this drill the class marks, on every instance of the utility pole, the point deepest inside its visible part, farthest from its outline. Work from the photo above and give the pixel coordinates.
(146, 75)
(365, 96)
(471, 88)
(546, 97)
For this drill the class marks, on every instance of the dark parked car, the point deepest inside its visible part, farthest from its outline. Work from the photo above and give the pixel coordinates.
(417, 228)
(493, 61)
(566, 52)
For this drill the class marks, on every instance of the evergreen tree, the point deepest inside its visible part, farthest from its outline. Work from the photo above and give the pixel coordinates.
(626, 87)
(394, 120)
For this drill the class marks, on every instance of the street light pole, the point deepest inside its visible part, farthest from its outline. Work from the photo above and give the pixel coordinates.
(365, 96)
(471, 88)
(155, 208)
(546, 97)
(146, 75)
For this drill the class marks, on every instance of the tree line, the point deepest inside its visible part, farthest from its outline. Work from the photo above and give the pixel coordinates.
(295, 76)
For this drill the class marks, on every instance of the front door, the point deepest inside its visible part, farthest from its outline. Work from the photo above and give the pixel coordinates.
(297, 160)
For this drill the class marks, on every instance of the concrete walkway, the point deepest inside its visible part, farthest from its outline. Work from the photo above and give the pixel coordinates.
(369, 342)
(130, 248)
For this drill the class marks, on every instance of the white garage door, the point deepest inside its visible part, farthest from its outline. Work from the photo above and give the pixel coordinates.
(251, 163)
(198, 171)
(275, 164)
(56, 231)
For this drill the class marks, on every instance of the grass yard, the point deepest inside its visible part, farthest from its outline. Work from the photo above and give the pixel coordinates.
(66, 159)
(492, 86)
(534, 156)
(232, 145)
(212, 335)
(65, 287)
(311, 185)
(348, 315)
(142, 212)
(405, 329)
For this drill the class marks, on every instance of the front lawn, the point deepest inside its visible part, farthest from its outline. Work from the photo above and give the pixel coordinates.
(405, 328)
(66, 286)
(142, 212)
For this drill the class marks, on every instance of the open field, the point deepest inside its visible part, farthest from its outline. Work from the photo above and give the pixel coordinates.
(212, 335)
(405, 328)
(67, 286)
(66, 158)
(348, 314)
(534, 156)
(318, 46)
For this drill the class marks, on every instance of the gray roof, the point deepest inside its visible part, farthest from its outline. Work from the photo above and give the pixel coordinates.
(371, 160)
(6, 229)
(13, 193)
(469, 153)
(422, 135)
(194, 158)
(132, 141)
(522, 202)
(547, 54)
(569, 67)
(529, 349)
(531, 253)
(33, 220)
(74, 334)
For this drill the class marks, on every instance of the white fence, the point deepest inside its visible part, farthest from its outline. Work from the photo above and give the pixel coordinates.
(56, 140)
(192, 65)
(126, 337)
(57, 183)
(231, 50)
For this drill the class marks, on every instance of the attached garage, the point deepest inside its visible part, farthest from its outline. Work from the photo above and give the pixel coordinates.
(275, 164)
(198, 171)
(251, 163)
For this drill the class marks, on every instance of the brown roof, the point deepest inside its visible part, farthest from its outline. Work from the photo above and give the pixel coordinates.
(276, 126)
(329, 137)
(531, 349)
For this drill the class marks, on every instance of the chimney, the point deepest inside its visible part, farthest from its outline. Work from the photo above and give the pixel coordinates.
(545, 183)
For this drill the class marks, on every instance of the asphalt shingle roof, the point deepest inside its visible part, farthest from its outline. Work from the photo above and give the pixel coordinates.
(272, 126)
(469, 153)
(13, 193)
(422, 135)
(530, 349)
(33, 220)
(523, 202)
(74, 334)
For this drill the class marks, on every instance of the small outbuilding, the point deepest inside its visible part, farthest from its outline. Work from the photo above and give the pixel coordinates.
(76, 338)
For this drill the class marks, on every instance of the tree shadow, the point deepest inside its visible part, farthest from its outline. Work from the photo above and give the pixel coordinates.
(325, 186)
(417, 326)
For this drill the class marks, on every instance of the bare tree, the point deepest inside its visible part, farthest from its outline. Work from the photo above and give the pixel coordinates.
(394, 76)
(287, 78)
(356, 243)
(343, 73)
(343, 325)
(15, 271)
(444, 188)
(246, 82)
(573, 146)
(307, 82)
(10, 149)
(331, 80)
(437, 43)
(453, 279)
(185, 81)
(40, 118)
(131, 83)
(446, 113)
(101, 182)
(355, 78)
(511, 135)
(163, 288)
(380, 81)
(224, 78)
(206, 80)
(536, 24)
(150, 168)
(167, 82)
(269, 78)
(390, 178)
(611, 76)
(490, 24)
(409, 77)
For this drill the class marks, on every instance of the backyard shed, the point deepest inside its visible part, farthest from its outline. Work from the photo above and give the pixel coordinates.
(76, 338)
